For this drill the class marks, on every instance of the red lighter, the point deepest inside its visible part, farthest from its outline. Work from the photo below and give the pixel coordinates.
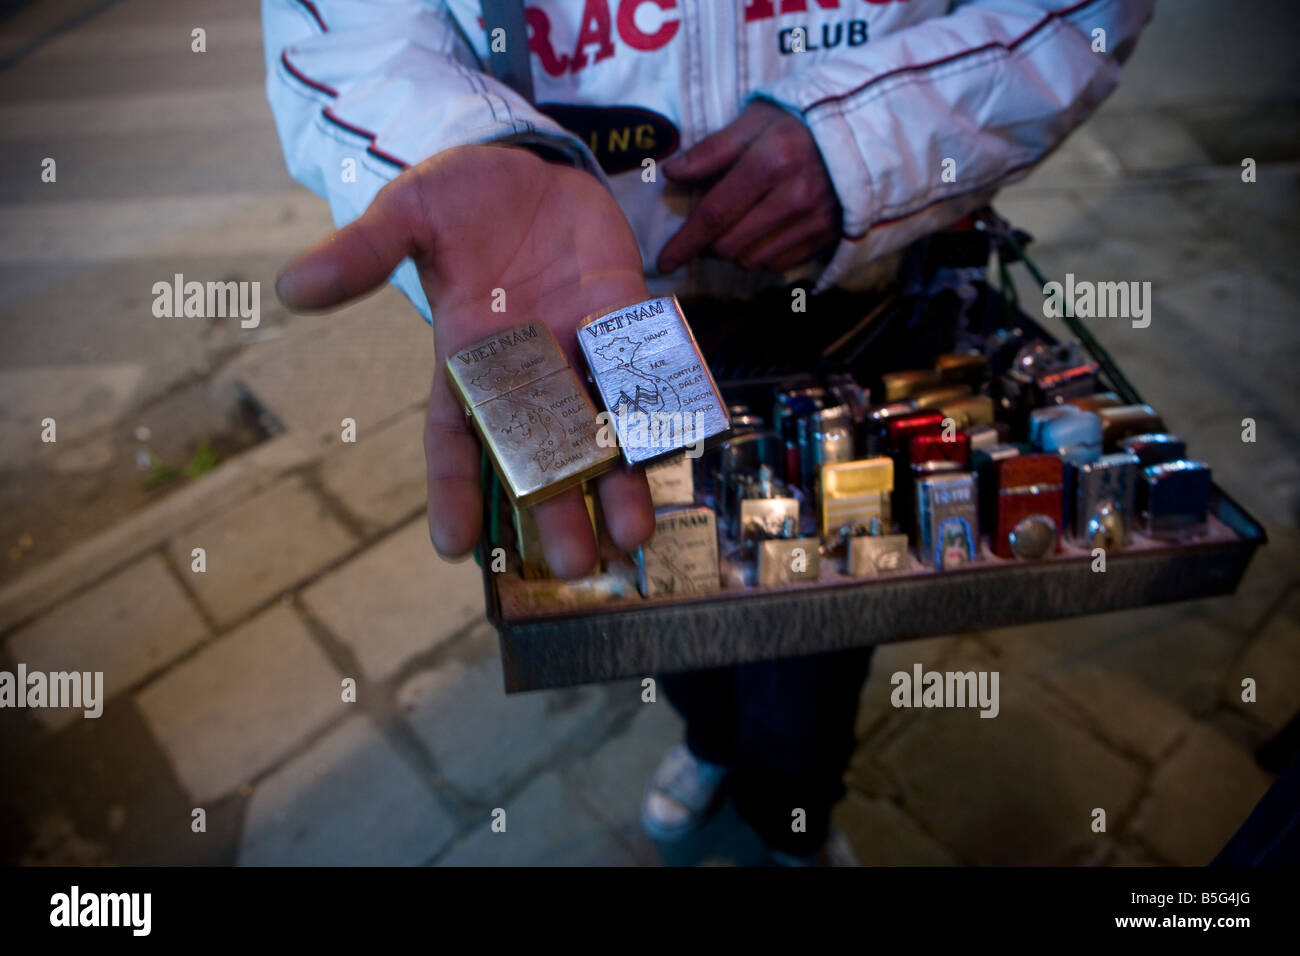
(955, 447)
(900, 431)
(1029, 506)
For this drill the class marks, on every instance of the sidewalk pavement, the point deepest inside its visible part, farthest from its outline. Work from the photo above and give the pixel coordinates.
(227, 686)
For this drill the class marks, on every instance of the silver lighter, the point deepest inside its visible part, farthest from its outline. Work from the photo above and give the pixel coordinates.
(872, 554)
(1155, 449)
(681, 556)
(765, 509)
(785, 561)
(655, 384)
(671, 481)
(1105, 495)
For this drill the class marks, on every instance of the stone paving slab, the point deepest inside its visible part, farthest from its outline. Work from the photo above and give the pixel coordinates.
(240, 706)
(81, 399)
(370, 361)
(1015, 789)
(1183, 659)
(1273, 661)
(545, 826)
(397, 600)
(883, 835)
(381, 479)
(612, 781)
(260, 548)
(1128, 715)
(482, 741)
(134, 623)
(233, 481)
(887, 659)
(348, 800)
(1198, 798)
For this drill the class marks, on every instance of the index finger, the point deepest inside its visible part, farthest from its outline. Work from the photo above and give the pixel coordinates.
(721, 208)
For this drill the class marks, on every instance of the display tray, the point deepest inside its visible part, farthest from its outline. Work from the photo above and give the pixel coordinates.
(545, 645)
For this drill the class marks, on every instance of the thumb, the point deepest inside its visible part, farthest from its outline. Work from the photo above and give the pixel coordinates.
(354, 260)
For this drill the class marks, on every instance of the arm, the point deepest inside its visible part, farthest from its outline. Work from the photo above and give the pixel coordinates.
(995, 86)
(385, 84)
(853, 153)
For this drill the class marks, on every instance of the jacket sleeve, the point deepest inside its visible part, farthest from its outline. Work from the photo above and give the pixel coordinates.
(360, 89)
(922, 126)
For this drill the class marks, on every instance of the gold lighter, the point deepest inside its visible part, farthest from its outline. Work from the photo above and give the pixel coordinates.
(531, 411)
(902, 385)
(941, 395)
(969, 368)
(969, 412)
(854, 492)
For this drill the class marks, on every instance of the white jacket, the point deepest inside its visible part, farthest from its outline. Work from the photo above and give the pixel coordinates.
(890, 89)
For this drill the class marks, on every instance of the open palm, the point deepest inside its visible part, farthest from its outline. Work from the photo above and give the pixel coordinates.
(475, 220)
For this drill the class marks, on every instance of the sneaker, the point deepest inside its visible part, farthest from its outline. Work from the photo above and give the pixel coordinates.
(682, 794)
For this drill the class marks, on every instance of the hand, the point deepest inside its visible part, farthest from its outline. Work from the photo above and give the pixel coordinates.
(774, 205)
(474, 219)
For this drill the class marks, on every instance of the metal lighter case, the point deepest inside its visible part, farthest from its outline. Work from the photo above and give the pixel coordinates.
(966, 368)
(1174, 498)
(738, 459)
(941, 396)
(671, 481)
(872, 554)
(901, 429)
(1098, 400)
(791, 408)
(947, 517)
(872, 434)
(531, 411)
(1121, 421)
(1154, 449)
(955, 447)
(825, 437)
(848, 392)
(985, 437)
(1062, 426)
(1030, 503)
(1105, 498)
(854, 492)
(973, 411)
(652, 378)
(901, 385)
(681, 556)
(765, 508)
(786, 561)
